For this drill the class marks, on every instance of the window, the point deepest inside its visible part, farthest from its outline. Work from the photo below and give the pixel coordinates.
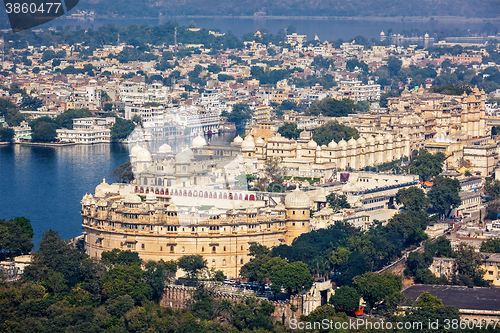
(241, 261)
(202, 249)
(143, 246)
(224, 249)
(213, 249)
(224, 262)
(242, 248)
(213, 262)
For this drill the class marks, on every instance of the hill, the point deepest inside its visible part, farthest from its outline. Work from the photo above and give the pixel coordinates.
(382, 8)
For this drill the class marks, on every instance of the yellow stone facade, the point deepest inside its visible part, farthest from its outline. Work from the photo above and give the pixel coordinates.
(153, 228)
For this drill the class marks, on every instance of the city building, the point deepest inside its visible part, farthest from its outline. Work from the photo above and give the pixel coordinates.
(87, 131)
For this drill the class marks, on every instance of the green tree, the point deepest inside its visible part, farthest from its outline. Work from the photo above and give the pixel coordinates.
(394, 65)
(121, 129)
(119, 257)
(294, 277)
(157, 274)
(492, 245)
(16, 237)
(124, 173)
(289, 130)
(444, 194)
(468, 263)
(426, 165)
(126, 280)
(6, 134)
(192, 265)
(331, 107)
(65, 120)
(426, 300)
(376, 288)
(345, 299)
(337, 201)
(57, 264)
(333, 131)
(44, 132)
(413, 198)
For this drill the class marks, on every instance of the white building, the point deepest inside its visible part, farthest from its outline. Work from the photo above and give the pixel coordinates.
(87, 131)
(360, 92)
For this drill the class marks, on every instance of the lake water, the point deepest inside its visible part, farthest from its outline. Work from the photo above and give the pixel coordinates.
(330, 29)
(46, 184)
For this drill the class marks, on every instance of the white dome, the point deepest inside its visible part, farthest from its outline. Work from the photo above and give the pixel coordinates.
(151, 197)
(135, 150)
(102, 188)
(144, 155)
(199, 142)
(259, 142)
(297, 199)
(238, 139)
(352, 142)
(379, 138)
(388, 137)
(248, 144)
(342, 143)
(370, 139)
(183, 157)
(332, 145)
(165, 149)
(132, 198)
(312, 144)
(361, 141)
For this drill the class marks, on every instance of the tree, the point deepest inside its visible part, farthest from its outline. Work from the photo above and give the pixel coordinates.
(444, 194)
(492, 245)
(426, 165)
(426, 300)
(57, 264)
(44, 132)
(6, 134)
(30, 103)
(394, 65)
(337, 202)
(333, 131)
(124, 280)
(273, 169)
(376, 288)
(192, 265)
(294, 277)
(289, 130)
(331, 107)
(157, 274)
(121, 129)
(119, 257)
(413, 198)
(124, 173)
(468, 262)
(16, 237)
(345, 299)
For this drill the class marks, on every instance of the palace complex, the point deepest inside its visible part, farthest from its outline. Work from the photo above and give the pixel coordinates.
(117, 218)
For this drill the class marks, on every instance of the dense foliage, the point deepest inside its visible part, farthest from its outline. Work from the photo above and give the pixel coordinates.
(331, 107)
(333, 131)
(426, 165)
(16, 237)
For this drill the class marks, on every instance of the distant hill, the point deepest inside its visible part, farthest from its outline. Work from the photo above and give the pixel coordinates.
(383, 8)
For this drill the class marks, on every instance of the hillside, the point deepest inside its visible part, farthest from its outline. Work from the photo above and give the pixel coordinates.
(384, 8)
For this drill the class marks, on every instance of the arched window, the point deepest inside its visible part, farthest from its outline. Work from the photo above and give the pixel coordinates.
(223, 262)
(242, 248)
(166, 191)
(202, 249)
(157, 191)
(252, 197)
(136, 189)
(206, 194)
(147, 190)
(185, 193)
(195, 193)
(190, 194)
(176, 192)
(220, 195)
(241, 261)
(224, 249)
(213, 249)
(225, 195)
(171, 249)
(210, 195)
(230, 196)
(142, 190)
(213, 262)
(241, 197)
(162, 192)
(246, 196)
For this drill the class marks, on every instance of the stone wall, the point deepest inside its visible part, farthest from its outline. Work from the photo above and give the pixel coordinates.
(181, 297)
